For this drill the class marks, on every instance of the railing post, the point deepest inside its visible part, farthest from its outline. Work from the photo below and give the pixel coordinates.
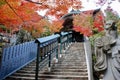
(57, 52)
(37, 61)
(68, 40)
(49, 64)
(60, 43)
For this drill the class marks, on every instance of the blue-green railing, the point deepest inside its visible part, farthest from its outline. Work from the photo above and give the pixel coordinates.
(16, 57)
(48, 49)
(65, 39)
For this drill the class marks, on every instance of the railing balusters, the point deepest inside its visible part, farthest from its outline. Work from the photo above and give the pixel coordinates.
(15, 57)
(47, 46)
(18, 56)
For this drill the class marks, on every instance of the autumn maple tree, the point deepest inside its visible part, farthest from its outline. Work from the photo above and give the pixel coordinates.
(23, 13)
(57, 8)
(16, 13)
(86, 22)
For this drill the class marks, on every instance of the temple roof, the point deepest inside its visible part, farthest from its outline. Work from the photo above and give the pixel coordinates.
(68, 23)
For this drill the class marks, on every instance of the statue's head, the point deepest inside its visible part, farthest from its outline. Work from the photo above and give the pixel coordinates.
(109, 24)
(111, 28)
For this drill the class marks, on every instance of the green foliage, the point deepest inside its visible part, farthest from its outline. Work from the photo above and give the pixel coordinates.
(111, 16)
(92, 38)
(2, 2)
(118, 26)
(3, 27)
(23, 36)
(46, 32)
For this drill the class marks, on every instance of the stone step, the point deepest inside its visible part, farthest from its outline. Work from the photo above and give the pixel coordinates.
(62, 64)
(70, 63)
(47, 78)
(59, 66)
(56, 70)
(77, 60)
(54, 73)
(57, 73)
(61, 69)
(65, 62)
(32, 78)
(53, 76)
(71, 66)
(67, 65)
(20, 78)
(69, 70)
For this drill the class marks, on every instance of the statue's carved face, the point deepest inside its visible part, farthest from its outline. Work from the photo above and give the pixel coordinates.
(108, 24)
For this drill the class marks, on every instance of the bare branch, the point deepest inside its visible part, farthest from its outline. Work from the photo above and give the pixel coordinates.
(34, 2)
(13, 10)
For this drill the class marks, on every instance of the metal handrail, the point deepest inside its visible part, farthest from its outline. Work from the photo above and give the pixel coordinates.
(47, 46)
(18, 56)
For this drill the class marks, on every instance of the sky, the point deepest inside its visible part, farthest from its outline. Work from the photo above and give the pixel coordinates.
(90, 4)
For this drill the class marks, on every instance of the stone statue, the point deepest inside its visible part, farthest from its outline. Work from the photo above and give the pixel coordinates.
(107, 52)
(111, 29)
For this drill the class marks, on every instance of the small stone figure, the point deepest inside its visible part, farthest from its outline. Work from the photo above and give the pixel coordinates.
(107, 52)
(111, 29)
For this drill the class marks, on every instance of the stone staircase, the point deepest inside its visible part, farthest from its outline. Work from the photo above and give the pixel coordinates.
(71, 66)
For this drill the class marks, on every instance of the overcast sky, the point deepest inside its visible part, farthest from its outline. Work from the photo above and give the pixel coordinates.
(90, 4)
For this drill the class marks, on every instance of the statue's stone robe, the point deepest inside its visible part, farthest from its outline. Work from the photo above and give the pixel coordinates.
(107, 51)
(113, 62)
(101, 63)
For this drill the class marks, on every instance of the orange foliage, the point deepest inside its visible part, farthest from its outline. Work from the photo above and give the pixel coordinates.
(8, 18)
(85, 23)
(56, 26)
(36, 28)
(20, 13)
(99, 21)
(16, 13)
(58, 8)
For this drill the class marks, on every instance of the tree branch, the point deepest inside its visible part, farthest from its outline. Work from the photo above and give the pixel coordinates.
(13, 10)
(34, 2)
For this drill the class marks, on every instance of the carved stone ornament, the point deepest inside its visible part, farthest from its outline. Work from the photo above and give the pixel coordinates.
(107, 52)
